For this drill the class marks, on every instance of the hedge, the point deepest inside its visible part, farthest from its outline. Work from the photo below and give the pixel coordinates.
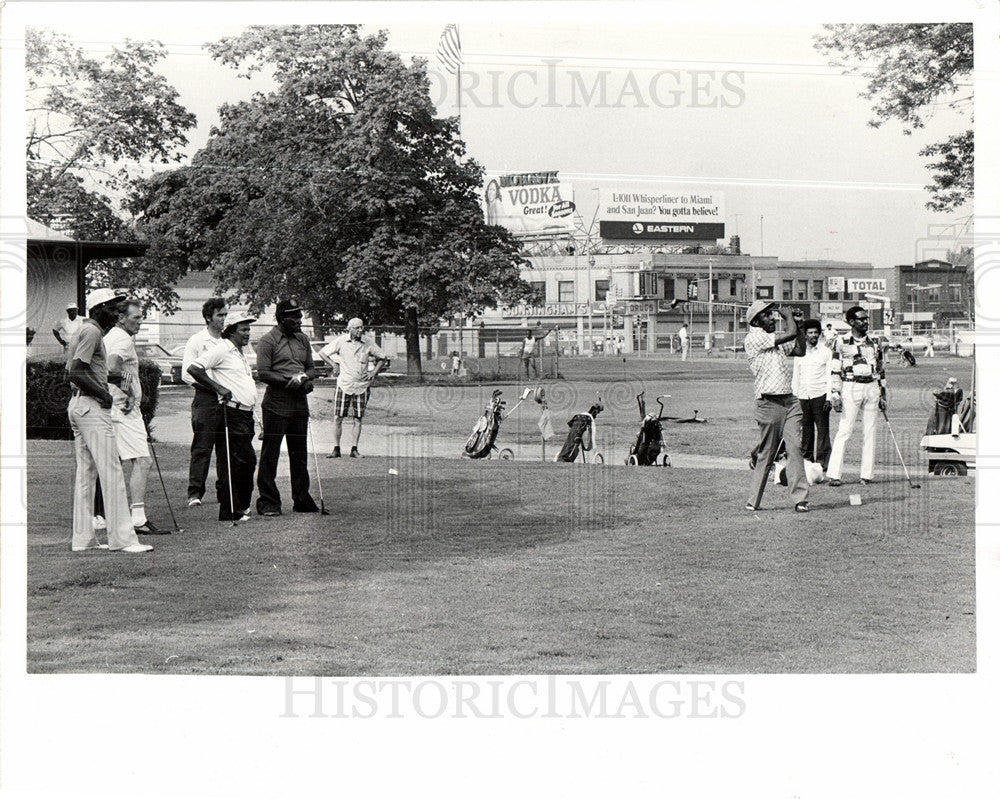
(47, 394)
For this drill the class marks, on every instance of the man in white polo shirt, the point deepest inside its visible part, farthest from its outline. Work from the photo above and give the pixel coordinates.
(94, 434)
(352, 354)
(224, 369)
(206, 417)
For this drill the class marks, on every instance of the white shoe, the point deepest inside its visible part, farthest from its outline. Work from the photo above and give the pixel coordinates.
(194, 502)
(137, 548)
(100, 523)
(85, 549)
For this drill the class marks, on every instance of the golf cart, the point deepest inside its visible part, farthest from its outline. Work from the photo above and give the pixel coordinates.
(953, 453)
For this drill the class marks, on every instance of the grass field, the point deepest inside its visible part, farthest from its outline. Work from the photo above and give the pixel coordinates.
(455, 567)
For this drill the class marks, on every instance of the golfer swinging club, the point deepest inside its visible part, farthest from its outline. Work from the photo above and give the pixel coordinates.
(225, 370)
(352, 354)
(778, 413)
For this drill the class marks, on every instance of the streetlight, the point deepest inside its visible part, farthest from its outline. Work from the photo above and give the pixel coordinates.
(914, 288)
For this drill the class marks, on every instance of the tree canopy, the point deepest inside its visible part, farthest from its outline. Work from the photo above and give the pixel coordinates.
(913, 70)
(92, 125)
(341, 187)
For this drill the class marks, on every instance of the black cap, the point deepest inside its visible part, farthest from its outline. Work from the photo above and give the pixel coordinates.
(285, 307)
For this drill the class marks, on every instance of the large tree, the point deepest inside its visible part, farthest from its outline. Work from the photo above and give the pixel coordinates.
(912, 70)
(341, 187)
(93, 126)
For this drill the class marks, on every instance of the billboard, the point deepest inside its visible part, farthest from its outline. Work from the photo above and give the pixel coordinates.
(868, 285)
(529, 203)
(835, 285)
(661, 213)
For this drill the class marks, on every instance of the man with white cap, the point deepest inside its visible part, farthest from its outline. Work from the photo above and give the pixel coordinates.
(225, 370)
(68, 326)
(94, 433)
(352, 354)
(777, 412)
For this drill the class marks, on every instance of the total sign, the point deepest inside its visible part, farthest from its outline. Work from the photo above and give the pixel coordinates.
(867, 285)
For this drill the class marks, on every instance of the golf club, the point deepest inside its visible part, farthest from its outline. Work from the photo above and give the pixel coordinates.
(319, 480)
(229, 465)
(898, 451)
(152, 449)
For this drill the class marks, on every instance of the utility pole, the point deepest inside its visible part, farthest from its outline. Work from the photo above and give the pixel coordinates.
(711, 302)
(762, 235)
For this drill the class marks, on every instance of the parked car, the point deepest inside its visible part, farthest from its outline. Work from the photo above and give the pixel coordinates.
(170, 365)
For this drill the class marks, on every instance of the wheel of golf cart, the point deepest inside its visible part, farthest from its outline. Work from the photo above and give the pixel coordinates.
(631, 460)
(950, 469)
(506, 454)
(599, 459)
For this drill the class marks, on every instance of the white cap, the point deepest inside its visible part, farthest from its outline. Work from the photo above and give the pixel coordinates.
(72, 306)
(102, 296)
(236, 317)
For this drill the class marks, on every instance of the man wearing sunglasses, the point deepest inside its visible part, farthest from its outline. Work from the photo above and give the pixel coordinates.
(857, 383)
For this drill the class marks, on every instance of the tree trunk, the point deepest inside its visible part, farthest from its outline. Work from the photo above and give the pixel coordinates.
(412, 336)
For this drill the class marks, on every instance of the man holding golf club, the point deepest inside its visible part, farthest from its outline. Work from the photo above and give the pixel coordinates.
(778, 413)
(224, 369)
(206, 417)
(285, 365)
(857, 386)
(94, 433)
(352, 354)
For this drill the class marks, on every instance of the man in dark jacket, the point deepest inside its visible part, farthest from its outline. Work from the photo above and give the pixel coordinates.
(285, 366)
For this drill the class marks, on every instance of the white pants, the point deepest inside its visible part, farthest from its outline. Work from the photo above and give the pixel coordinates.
(97, 455)
(857, 398)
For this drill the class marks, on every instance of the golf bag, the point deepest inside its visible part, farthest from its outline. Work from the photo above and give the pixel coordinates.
(649, 442)
(480, 443)
(579, 426)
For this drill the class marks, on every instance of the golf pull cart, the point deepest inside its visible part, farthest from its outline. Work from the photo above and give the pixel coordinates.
(481, 442)
(953, 454)
(649, 442)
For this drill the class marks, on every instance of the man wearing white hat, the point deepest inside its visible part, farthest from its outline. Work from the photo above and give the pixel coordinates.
(225, 370)
(94, 434)
(68, 326)
(352, 354)
(778, 413)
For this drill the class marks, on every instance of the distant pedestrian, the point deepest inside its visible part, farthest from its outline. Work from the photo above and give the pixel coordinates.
(778, 413)
(285, 366)
(529, 353)
(225, 370)
(352, 354)
(94, 433)
(456, 364)
(685, 339)
(929, 348)
(68, 326)
(206, 418)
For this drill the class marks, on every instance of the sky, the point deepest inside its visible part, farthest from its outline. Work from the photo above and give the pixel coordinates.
(750, 110)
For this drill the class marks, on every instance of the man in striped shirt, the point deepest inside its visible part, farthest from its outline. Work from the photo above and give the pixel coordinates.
(777, 412)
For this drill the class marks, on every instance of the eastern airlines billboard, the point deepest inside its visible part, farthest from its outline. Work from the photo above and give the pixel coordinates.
(659, 213)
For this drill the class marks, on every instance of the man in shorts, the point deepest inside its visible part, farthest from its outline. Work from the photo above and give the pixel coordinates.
(126, 392)
(352, 354)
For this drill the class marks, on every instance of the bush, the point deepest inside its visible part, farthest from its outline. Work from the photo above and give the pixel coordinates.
(47, 394)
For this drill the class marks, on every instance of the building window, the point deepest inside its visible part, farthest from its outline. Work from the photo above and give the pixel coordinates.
(955, 292)
(647, 284)
(715, 290)
(934, 296)
(601, 290)
(834, 295)
(803, 292)
(817, 289)
(786, 289)
(537, 296)
(765, 292)
(668, 288)
(567, 292)
(733, 287)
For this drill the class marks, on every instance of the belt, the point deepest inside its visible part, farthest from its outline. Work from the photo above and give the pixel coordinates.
(237, 406)
(859, 380)
(778, 397)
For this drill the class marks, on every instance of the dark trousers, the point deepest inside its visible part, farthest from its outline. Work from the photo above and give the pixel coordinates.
(816, 431)
(241, 457)
(294, 430)
(206, 421)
